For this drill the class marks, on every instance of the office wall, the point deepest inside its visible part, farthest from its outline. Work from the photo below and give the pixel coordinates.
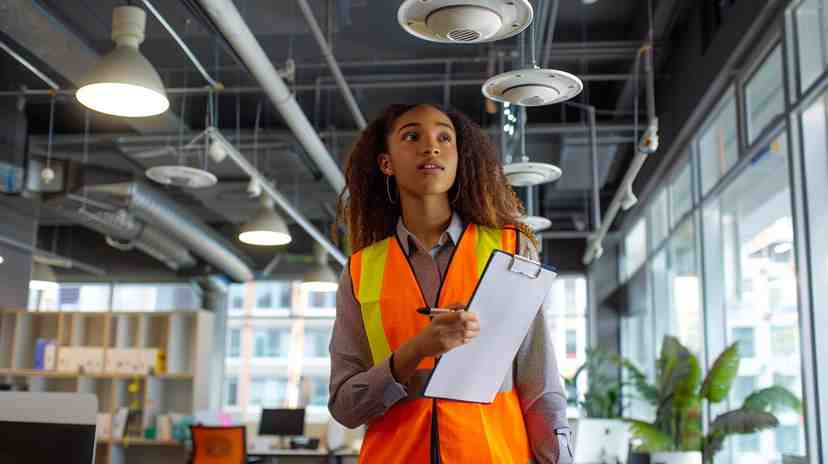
(16, 267)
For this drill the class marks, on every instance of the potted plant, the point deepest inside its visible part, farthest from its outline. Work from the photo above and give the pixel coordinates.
(676, 435)
(603, 397)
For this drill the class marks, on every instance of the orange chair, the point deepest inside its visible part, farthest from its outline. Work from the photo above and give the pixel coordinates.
(218, 445)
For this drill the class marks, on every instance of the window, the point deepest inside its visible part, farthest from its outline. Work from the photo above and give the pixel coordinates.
(570, 296)
(235, 295)
(810, 19)
(231, 391)
(718, 145)
(158, 297)
(317, 340)
(765, 95)
(788, 439)
(272, 295)
(750, 219)
(747, 443)
(314, 391)
(234, 343)
(268, 392)
(685, 297)
(784, 341)
(571, 344)
(745, 337)
(658, 219)
(743, 386)
(321, 300)
(271, 343)
(681, 194)
(635, 248)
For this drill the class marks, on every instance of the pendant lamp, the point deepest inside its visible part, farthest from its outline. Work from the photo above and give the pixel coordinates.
(267, 228)
(124, 82)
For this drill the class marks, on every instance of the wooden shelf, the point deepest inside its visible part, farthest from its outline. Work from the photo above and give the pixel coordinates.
(104, 375)
(138, 442)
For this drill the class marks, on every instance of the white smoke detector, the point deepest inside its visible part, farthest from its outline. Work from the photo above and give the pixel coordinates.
(525, 174)
(464, 21)
(537, 223)
(182, 176)
(533, 87)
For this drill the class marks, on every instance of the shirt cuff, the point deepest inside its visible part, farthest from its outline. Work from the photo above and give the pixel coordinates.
(392, 391)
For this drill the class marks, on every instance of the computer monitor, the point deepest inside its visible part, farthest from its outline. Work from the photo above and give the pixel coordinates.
(47, 427)
(601, 441)
(282, 422)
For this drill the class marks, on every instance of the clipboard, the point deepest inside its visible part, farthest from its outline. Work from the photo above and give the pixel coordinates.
(506, 301)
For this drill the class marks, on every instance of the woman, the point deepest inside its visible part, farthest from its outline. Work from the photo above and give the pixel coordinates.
(427, 203)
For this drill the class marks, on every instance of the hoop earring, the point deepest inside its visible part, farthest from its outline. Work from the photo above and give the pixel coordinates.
(388, 189)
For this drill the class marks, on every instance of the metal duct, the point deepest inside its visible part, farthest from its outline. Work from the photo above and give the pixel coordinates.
(154, 208)
(119, 225)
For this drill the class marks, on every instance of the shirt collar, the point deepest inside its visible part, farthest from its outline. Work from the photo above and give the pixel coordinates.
(453, 233)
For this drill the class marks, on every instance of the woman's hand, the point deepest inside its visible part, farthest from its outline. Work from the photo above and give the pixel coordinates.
(446, 332)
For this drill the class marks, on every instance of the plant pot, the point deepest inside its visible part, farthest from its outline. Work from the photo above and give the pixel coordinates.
(685, 457)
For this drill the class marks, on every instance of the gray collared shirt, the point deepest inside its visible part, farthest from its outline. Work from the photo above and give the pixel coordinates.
(361, 391)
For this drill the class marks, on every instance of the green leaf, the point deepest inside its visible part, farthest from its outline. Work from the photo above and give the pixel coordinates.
(773, 399)
(647, 391)
(743, 421)
(687, 386)
(720, 378)
(653, 439)
(679, 373)
(691, 427)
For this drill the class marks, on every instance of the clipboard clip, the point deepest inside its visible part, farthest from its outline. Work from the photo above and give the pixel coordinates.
(525, 266)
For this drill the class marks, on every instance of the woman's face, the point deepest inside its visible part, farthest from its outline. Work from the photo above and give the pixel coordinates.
(422, 152)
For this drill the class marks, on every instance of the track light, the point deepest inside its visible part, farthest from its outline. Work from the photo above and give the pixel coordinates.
(124, 82)
(267, 228)
(253, 188)
(629, 200)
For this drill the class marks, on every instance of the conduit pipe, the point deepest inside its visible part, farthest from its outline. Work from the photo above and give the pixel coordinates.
(238, 34)
(307, 12)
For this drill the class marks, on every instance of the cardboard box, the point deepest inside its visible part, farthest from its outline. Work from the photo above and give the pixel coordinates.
(80, 359)
(139, 361)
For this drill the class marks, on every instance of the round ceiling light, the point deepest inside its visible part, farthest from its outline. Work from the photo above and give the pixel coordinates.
(464, 21)
(182, 176)
(533, 87)
(524, 174)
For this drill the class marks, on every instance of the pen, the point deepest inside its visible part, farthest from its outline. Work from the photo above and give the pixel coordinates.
(427, 311)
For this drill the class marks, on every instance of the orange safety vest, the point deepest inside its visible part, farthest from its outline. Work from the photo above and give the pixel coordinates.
(389, 295)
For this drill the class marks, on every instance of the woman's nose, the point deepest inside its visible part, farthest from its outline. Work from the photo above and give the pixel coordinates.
(431, 150)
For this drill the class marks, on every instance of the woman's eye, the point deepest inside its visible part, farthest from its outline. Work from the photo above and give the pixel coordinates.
(445, 138)
(410, 136)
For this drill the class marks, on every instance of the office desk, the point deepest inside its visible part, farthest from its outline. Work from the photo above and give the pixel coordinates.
(278, 455)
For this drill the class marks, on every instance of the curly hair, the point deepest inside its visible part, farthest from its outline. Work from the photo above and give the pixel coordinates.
(484, 197)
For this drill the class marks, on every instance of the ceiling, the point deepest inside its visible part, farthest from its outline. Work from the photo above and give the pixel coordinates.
(63, 38)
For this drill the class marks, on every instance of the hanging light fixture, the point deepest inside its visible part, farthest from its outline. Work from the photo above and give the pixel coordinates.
(267, 228)
(43, 277)
(124, 82)
(320, 278)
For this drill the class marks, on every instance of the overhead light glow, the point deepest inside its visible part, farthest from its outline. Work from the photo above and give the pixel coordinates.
(267, 228)
(124, 82)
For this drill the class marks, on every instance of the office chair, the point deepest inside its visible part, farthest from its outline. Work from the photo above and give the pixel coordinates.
(219, 445)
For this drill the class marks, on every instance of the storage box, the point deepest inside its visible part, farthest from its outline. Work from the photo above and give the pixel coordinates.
(80, 359)
(103, 431)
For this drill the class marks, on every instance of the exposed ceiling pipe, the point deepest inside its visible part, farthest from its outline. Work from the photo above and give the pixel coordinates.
(278, 198)
(307, 12)
(238, 34)
(550, 34)
(153, 207)
(119, 225)
(46, 257)
(593, 161)
(646, 146)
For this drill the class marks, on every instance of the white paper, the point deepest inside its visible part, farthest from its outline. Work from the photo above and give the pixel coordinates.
(506, 303)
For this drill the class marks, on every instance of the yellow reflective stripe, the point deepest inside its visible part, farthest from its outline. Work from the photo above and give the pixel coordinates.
(370, 289)
(488, 240)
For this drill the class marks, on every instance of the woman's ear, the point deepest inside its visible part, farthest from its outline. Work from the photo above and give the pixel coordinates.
(384, 162)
